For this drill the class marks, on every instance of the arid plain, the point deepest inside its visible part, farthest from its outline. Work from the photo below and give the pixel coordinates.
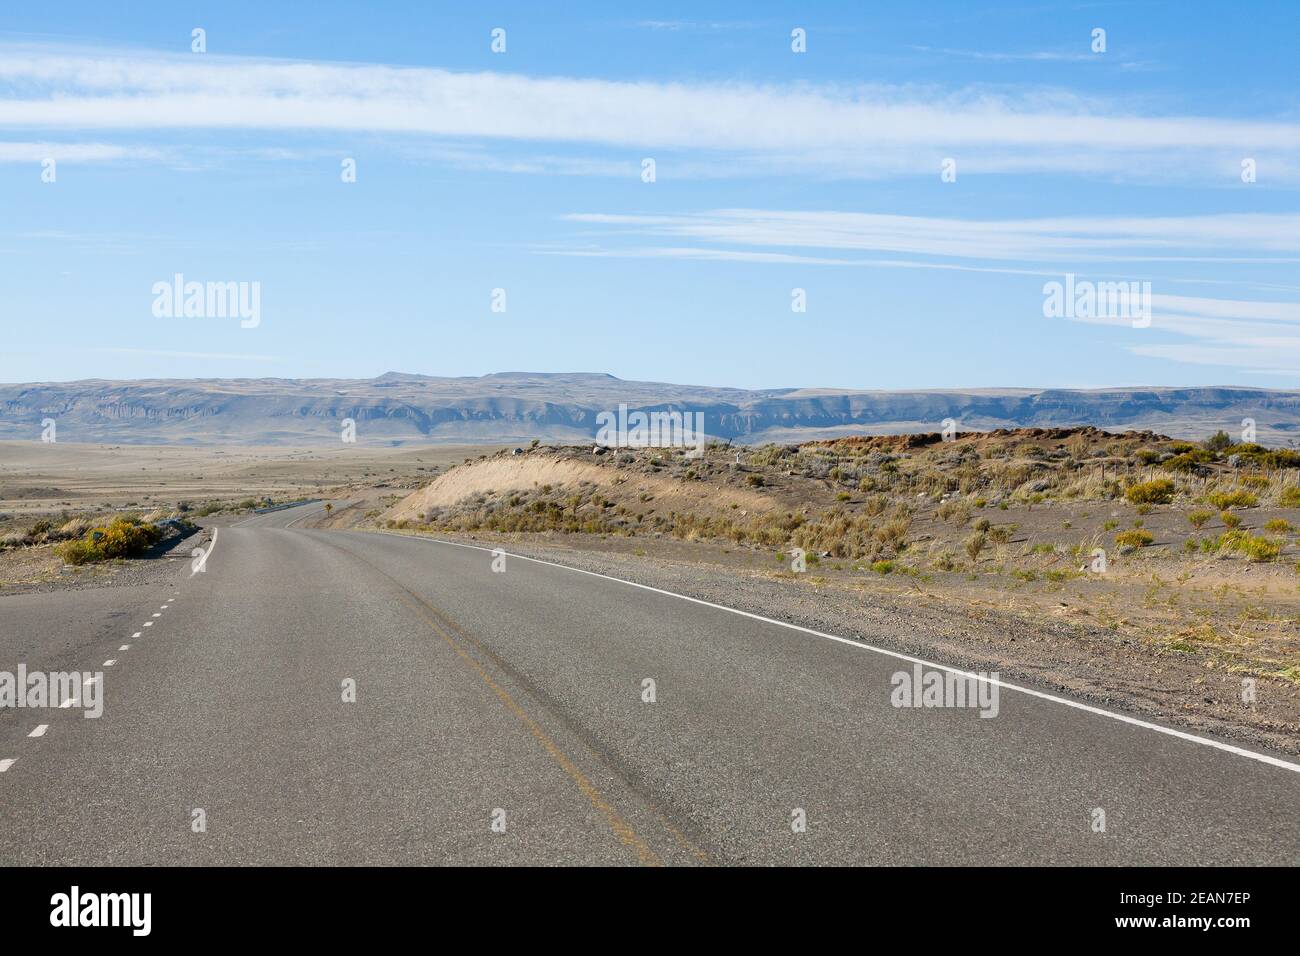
(982, 550)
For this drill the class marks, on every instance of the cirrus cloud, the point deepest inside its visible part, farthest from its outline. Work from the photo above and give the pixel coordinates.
(837, 128)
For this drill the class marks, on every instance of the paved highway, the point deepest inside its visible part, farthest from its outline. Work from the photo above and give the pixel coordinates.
(502, 717)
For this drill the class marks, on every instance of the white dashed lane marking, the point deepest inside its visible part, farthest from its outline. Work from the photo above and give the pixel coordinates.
(40, 729)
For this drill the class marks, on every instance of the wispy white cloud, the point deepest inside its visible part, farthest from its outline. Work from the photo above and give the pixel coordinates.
(1257, 336)
(1125, 64)
(680, 25)
(1259, 357)
(1247, 237)
(1032, 55)
(14, 152)
(478, 158)
(861, 130)
(1245, 334)
(780, 258)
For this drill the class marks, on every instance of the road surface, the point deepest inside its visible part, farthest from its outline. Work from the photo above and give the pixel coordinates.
(502, 717)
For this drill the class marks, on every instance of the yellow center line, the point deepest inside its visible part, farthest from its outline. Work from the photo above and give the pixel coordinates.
(622, 829)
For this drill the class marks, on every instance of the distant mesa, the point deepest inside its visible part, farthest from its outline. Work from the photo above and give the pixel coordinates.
(515, 407)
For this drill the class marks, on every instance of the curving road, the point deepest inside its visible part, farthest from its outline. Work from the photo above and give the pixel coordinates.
(499, 719)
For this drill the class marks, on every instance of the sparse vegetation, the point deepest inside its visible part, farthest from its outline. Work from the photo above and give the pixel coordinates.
(1218, 442)
(123, 537)
(1135, 538)
(1158, 491)
(1255, 548)
(1239, 498)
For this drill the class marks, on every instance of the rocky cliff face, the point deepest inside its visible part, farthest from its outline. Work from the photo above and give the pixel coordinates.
(514, 407)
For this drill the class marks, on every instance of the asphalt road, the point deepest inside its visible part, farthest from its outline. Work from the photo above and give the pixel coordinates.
(500, 718)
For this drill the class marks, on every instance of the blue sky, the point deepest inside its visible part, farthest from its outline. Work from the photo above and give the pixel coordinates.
(774, 170)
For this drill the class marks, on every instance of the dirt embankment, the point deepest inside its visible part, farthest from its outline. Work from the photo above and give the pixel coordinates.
(533, 470)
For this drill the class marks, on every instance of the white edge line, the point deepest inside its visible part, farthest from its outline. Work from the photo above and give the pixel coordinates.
(318, 501)
(307, 514)
(1123, 718)
(212, 546)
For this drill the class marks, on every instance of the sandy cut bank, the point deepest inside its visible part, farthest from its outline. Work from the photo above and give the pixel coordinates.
(529, 471)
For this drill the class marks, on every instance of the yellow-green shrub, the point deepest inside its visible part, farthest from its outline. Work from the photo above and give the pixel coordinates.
(1137, 538)
(1254, 548)
(1159, 491)
(1239, 498)
(120, 538)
